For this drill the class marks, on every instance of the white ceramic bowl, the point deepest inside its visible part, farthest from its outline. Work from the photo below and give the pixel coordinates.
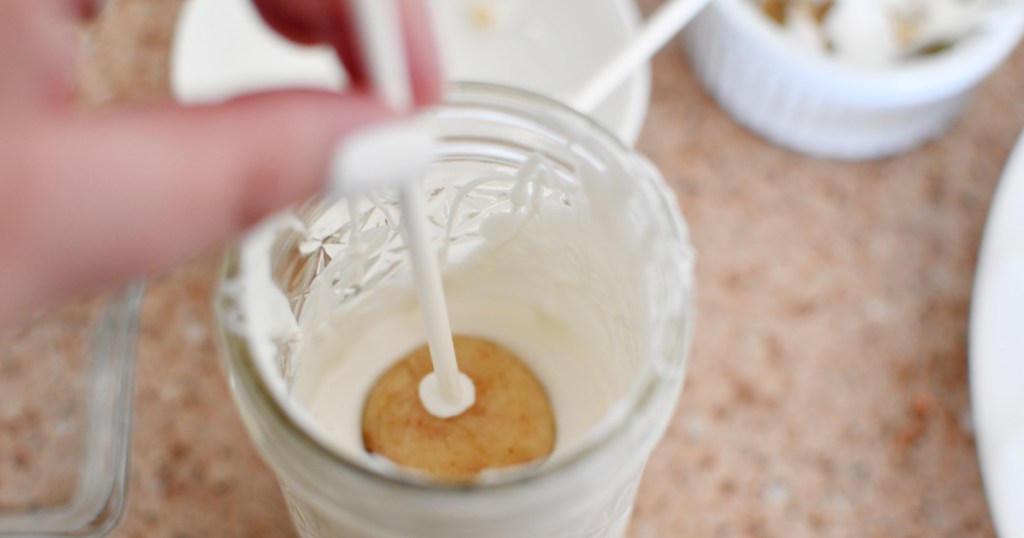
(818, 106)
(223, 48)
(997, 350)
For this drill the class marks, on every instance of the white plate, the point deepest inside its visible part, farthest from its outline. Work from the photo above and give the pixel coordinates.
(223, 48)
(997, 351)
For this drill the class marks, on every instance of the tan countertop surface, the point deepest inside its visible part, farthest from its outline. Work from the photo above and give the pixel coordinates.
(827, 392)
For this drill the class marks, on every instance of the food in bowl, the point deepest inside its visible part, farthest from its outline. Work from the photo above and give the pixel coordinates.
(808, 100)
(879, 33)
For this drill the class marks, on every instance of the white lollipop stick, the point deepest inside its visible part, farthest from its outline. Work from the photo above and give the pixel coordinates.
(445, 392)
(380, 36)
(670, 18)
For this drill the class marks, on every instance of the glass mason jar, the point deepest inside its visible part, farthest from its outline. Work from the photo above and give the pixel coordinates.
(489, 134)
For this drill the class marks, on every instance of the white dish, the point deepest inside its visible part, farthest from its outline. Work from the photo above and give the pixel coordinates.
(822, 107)
(997, 351)
(223, 49)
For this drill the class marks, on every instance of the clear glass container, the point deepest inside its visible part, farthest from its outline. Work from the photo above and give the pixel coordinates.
(489, 134)
(67, 383)
(65, 418)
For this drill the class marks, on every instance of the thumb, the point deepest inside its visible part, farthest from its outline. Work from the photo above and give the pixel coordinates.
(133, 190)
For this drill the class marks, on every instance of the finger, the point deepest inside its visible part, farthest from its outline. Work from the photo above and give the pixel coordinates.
(331, 21)
(305, 21)
(104, 199)
(76, 9)
(37, 64)
(319, 21)
(421, 50)
(86, 9)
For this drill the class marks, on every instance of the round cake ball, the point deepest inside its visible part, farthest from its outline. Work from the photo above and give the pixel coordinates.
(510, 423)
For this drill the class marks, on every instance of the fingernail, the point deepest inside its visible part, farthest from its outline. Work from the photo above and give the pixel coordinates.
(380, 156)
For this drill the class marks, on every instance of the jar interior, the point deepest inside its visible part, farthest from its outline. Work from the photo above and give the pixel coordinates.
(554, 243)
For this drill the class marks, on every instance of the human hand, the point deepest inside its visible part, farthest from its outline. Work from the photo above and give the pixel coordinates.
(88, 198)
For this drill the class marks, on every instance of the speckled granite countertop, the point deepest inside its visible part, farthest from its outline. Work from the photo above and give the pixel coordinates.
(827, 393)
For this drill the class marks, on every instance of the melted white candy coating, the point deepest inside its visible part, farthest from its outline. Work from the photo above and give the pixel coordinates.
(560, 278)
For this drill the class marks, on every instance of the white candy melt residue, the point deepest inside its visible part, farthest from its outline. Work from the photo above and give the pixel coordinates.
(266, 316)
(384, 155)
(559, 276)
